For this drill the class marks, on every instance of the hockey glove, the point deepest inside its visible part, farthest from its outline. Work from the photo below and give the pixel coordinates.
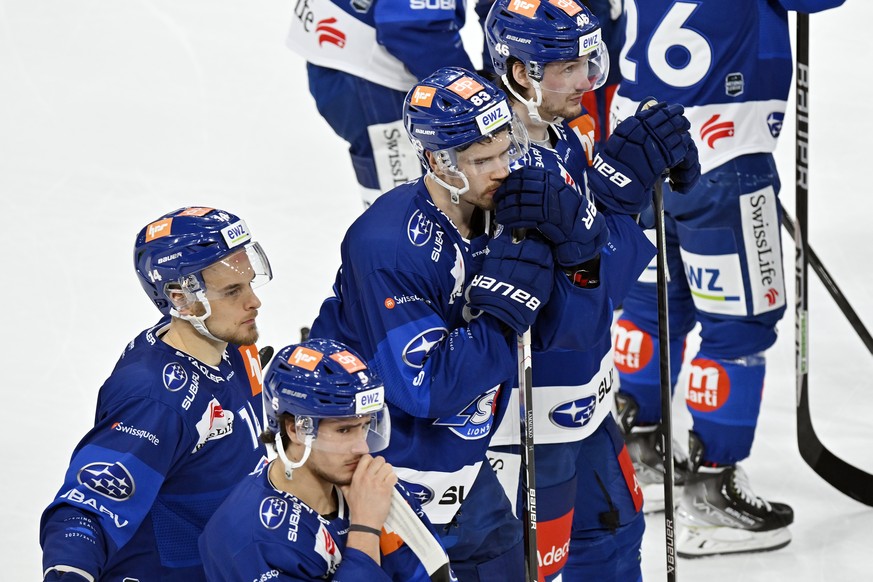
(641, 148)
(515, 281)
(685, 175)
(537, 198)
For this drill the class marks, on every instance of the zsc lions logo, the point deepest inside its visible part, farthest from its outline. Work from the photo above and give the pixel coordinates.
(419, 229)
(111, 480)
(475, 420)
(273, 511)
(422, 493)
(419, 347)
(175, 376)
(574, 414)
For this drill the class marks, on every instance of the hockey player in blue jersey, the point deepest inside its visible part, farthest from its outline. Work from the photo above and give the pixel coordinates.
(548, 56)
(177, 422)
(322, 510)
(433, 302)
(362, 57)
(730, 65)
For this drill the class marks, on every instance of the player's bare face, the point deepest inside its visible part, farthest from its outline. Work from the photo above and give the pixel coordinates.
(563, 84)
(233, 302)
(486, 165)
(340, 444)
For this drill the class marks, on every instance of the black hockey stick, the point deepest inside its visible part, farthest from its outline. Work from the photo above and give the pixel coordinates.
(832, 287)
(528, 474)
(528, 465)
(664, 360)
(666, 392)
(850, 480)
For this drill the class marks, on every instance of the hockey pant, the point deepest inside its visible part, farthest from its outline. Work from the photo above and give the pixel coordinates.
(724, 258)
(369, 117)
(484, 540)
(589, 521)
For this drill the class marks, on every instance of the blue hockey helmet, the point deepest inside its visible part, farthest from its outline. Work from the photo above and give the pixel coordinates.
(454, 108)
(171, 252)
(538, 32)
(325, 379)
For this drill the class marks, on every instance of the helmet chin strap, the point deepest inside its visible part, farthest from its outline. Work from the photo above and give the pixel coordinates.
(454, 191)
(532, 105)
(198, 322)
(289, 464)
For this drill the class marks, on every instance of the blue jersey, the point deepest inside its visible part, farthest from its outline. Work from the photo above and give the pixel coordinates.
(261, 533)
(392, 43)
(574, 387)
(728, 63)
(400, 303)
(171, 438)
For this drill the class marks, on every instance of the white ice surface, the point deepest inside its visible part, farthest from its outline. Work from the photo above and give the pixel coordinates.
(113, 112)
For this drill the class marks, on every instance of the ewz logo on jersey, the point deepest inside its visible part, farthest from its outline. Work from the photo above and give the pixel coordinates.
(475, 420)
(273, 511)
(574, 414)
(111, 480)
(705, 284)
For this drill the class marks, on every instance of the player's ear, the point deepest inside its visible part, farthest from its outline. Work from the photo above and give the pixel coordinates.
(431, 161)
(520, 76)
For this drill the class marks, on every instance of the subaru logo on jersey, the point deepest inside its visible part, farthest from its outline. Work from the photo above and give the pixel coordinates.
(774, 122)
(416, 351)
(272, 512)
(475, 420)
(419, 229)
(422, 493)
(175, 376)
(111, 480)
(574, 414)
(734, 84)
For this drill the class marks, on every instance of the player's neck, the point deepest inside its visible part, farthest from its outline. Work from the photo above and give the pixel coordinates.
(185, 338)
(311, 490)
(537, 131)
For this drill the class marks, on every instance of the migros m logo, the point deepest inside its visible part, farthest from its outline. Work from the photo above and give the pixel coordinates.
(708, 386)
(633, 347)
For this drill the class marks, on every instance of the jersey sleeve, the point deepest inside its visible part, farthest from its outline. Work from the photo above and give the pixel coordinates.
(422, 36)
(573, 318)
(111, 483)
(626, 256)
(430, 367)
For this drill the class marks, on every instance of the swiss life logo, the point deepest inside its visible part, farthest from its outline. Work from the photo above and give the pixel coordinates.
(714, 130)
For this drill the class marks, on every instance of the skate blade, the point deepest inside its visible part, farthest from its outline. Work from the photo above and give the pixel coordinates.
(696, 541)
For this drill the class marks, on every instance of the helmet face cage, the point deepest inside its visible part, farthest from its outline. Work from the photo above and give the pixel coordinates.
(170, 254)
(539, 32)
(323, 380)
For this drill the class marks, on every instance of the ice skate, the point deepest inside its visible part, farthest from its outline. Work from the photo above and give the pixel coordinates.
(720, 514)
(644, 447)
